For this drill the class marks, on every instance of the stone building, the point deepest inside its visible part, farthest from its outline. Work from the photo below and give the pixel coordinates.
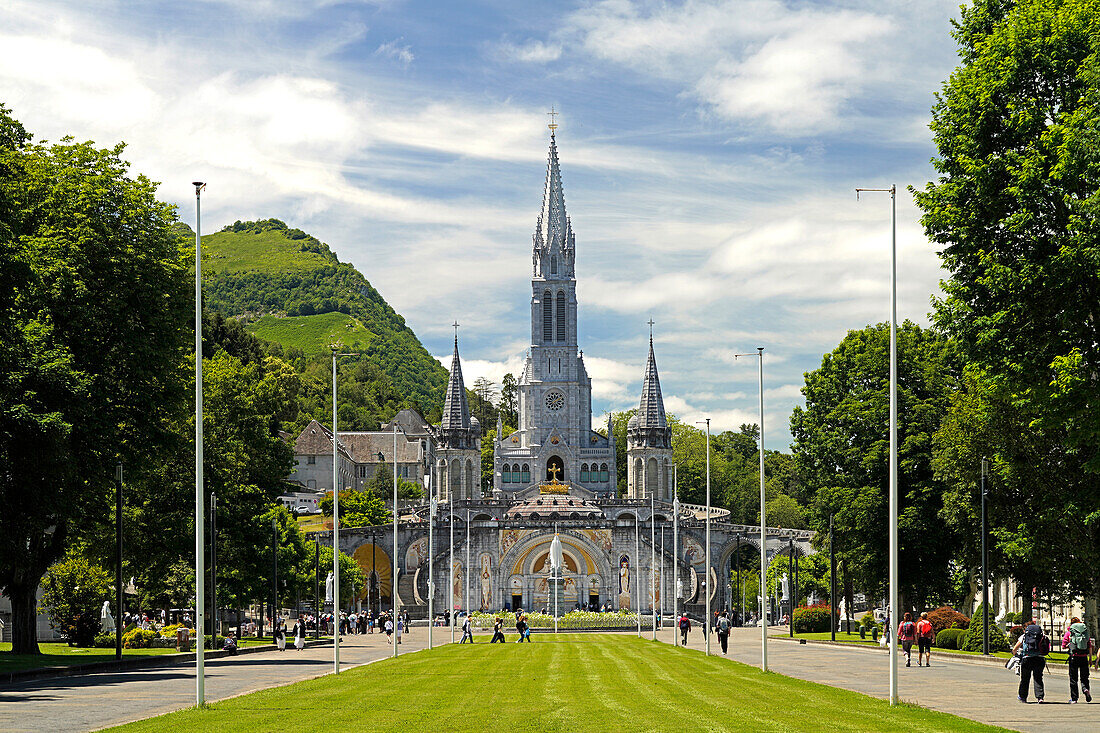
(554, 474)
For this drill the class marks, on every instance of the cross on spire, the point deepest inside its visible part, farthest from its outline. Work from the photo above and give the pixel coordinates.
(455, 324)
(650, 329)
(553, 114)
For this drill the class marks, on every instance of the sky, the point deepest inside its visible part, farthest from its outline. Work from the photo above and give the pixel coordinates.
(710, 153)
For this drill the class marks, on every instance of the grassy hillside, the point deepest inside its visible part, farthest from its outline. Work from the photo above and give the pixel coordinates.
(313, 334)
(260, 270)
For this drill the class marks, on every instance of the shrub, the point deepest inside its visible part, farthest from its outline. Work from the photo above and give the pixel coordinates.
(169, 631)
(105, 641)
(74, 589)
(1011, 617)
(972, 640)
(868, 620)
(139, 639)
(946, 617)
(949, 638)
(811, 619)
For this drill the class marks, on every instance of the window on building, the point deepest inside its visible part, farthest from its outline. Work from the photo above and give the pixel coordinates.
(560, 307)
(553, 264)
(310, 460)
(506, 474)
(526, 476)
(603, 472)
(547, 316)
(362, 472)
(584, 473)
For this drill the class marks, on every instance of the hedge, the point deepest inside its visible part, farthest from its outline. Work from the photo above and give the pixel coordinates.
(949, 638)
(811, 619)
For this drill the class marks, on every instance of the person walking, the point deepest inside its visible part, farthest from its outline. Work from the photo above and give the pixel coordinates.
(1035, 646)
(1079, 645)
(925, 636)
(400, 627)
(280, 635)
(519, 625)
(723, 626)
(498, 631)
(300, 633)
(389, 628)
(466, 633)
(526, 633)
(907, 634)
(685, 627)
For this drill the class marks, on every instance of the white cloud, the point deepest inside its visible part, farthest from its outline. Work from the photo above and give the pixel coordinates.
(536, 52)
(396, 51)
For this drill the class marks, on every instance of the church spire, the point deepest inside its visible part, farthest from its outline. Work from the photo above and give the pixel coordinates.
(553, 239)
(456, 411)
(651, 408)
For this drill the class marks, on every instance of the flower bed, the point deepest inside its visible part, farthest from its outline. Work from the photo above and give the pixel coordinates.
(574, 620)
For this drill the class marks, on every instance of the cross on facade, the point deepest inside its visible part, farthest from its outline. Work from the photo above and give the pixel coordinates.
(455, 324)
(554, 471)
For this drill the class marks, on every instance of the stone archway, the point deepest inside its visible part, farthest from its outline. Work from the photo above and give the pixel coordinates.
(585, 556)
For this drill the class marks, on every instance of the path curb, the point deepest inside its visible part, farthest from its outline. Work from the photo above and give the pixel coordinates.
(941, 654)
(159, 660)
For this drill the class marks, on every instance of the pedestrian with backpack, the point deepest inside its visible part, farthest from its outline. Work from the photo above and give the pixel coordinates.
(925, 636)
(685, 627)
(466, 632)
(723, 626)
(1035, 646)
(1079, 645)
(907, 634)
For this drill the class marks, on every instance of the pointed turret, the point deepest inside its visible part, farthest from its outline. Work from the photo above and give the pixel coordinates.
(651, 408)
(553, 238)
(456, 410)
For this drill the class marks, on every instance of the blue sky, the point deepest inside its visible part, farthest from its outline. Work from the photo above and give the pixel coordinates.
(710, 150)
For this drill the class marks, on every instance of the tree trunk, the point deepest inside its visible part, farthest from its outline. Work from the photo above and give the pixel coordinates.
(24, 618)
(1090, 606)
(1025, 612)
(972, 591)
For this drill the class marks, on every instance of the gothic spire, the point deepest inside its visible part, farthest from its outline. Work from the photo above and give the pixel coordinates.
(456, 411)
(651, 408)
(554, 232)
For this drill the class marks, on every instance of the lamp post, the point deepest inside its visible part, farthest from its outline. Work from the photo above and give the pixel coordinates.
(706, 567)
(396, 620)
(118, 565)
(832, 583)
(985, 571)
(653, 555)
(431, 584)
(763, 519)
(200, 505)
(316, 589)
(466, 586)
(274, 576)
(790, 585)
(737, 596)
(214, 570)
(675, 556)
(637, 574)
(451, 522)
(893, 528)
(336, 522)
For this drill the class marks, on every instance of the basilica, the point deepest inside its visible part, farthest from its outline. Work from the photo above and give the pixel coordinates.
(555, 473)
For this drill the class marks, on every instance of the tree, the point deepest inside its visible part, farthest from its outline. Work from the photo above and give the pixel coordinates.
(1015, 213)
(783, 511)
(382, 485)
(95, 336)
(74, 589)
(483, 404)
(841, 445)
(352, 578)
(509, 401)
(359, 508)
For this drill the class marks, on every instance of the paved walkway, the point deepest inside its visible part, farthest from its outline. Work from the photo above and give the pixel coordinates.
(95, 701)
(974, 689)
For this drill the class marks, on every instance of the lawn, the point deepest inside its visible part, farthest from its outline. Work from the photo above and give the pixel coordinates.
(63, 655)
(313, 334)
(312, 522)
(1053, 658)
(597, 682)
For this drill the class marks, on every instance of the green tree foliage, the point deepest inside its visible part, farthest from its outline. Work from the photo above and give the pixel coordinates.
(382, 485)
(74, 589)
(359, 508)
(1015, 213)
(352, 578)
(972, 640)
(841, 443)
(509, 401)
(92, 339)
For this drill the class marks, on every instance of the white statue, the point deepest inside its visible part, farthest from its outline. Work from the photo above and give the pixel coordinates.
(843, 609)
(328, 588)
(106, 620)
(624, 575)
(679, 588)
(486, 584)
(786, 588)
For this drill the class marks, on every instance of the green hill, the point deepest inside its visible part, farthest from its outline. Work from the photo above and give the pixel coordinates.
(313, 334)
(290, 288)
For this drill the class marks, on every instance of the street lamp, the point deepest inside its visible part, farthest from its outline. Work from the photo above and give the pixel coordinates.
(706, 569)
(763, 516)
(336, 522)
(985, 571)
(892, 612)
(200, 505)
(431, 559)
(395, 596)
(675, 555)
(118, 567)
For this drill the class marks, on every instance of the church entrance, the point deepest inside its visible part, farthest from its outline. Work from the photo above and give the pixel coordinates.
(555, 469)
